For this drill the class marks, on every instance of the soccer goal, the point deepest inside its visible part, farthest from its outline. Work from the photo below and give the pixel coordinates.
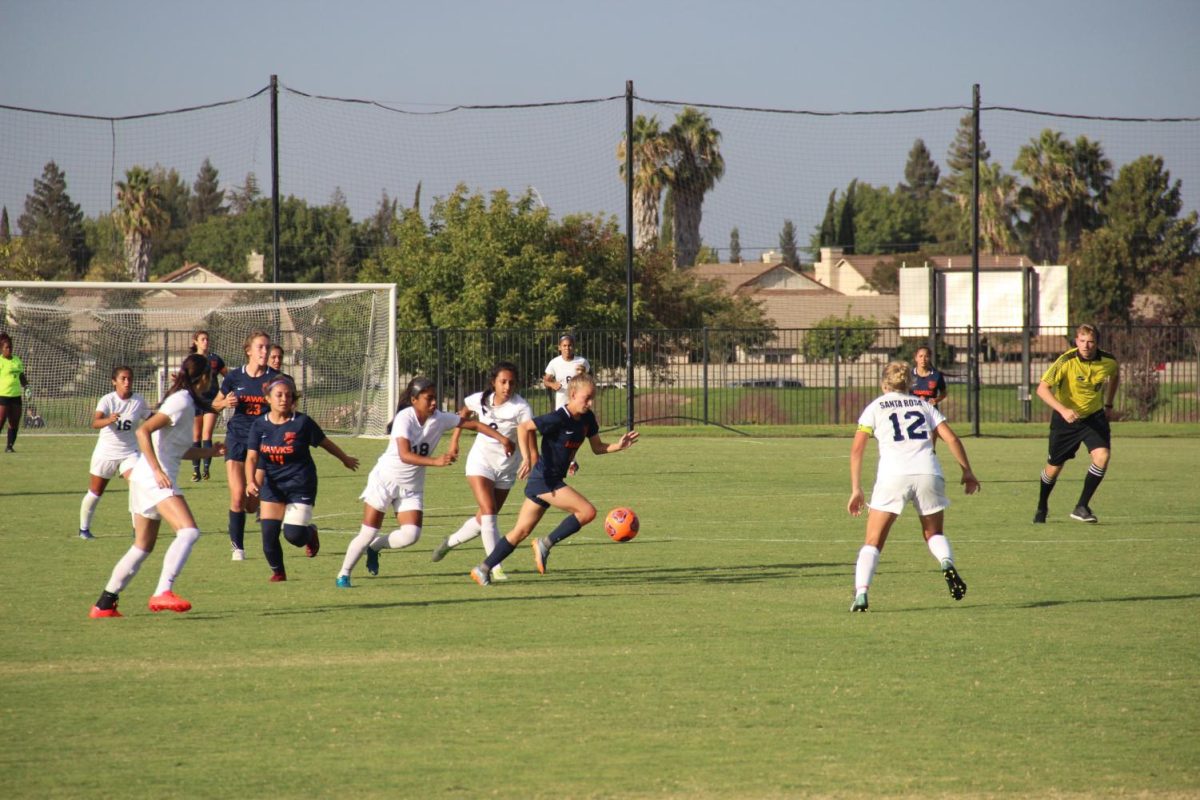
(338, 340)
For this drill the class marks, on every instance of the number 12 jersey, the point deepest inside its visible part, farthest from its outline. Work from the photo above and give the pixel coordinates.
(903, 425)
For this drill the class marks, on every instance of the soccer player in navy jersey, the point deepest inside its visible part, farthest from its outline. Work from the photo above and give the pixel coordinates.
(206, 418)
(563, 431)
(280, 471)
(929, 384)
(244, 391)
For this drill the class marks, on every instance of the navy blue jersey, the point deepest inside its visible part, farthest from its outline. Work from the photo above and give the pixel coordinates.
(562, 435)
(931, 386)
(215, 365)
(250, 397)
(285, 451)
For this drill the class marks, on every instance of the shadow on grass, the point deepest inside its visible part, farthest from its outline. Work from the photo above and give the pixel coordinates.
(1135, 599)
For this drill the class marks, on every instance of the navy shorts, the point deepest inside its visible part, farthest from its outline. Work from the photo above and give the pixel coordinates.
(288, 492)
(1065, 437)
(235, 446)
(537, 484)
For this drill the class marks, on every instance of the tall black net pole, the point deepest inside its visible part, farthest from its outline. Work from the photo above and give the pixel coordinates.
(275, 179)
(974, 369)
(629, 255)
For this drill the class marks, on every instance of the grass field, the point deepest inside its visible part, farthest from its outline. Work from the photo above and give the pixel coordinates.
(712, 657)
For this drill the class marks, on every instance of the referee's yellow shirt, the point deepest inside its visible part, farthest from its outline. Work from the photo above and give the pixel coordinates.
(1077, 383)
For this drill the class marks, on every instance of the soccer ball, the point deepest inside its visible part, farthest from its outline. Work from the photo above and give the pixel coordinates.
(621, 524)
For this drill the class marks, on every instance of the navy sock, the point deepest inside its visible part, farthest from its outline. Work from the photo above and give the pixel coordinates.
(270, 541)
(297, 535)
(195, 461)
(12, 435)
(207, 461)
(237, 529)
(1090, 484)
(501, 551)
(1046, 488)
(565, 528)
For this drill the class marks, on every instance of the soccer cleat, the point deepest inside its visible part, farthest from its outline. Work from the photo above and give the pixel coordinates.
(541, 554)
(205, 475)
(85, 534)
(498, 573)
(99, 613)
(1084, 514)
(1039, 516)
(239, 554)
(169, 601)
(343, 582)
(277, 577)
(956, 585)
(441, 550)
(372, 561)
(9, 449)
(196, 476)
(860, 602)
(314, 542)
(481, 575)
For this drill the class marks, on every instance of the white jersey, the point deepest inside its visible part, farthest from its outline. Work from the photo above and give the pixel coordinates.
(564, 372)
(504, 419)
(903, 424)
(171, 441)
(422, 440)
(118, 440)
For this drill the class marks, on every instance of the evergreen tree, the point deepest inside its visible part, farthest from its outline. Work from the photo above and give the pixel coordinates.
(845, 228)
(962, 149)
(735, 246)
(53, 224)
(788, 246)
(208, 197)
(828, 230)
(245, 195)
(6, 233)
(920, 173)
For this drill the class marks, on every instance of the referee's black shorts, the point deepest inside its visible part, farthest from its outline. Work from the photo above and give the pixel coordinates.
(1065, 437)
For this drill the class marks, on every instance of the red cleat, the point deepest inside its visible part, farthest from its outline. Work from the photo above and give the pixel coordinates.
(169, 601)
(314, 542)
(99, 613)
(278, 577)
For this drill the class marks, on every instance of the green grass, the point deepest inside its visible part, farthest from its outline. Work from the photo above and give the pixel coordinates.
(711, 657)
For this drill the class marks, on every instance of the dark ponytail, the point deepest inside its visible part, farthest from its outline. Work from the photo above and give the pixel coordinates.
(191, 374)
(414, 388)
(497, 368)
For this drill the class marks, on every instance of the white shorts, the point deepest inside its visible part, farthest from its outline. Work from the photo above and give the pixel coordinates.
(927, 493)
(297, 514)
(497, 469)
(382, 494)
(144, 500)
(108, 468)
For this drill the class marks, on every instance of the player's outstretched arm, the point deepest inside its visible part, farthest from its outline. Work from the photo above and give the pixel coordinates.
(488, 430)
(599, 447)
(348, 461)
(969, 481)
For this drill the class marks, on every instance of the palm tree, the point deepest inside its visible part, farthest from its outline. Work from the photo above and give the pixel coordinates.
(139, 214)
(695, 165)
(1048, 162)
(650, 151)
(997, 209)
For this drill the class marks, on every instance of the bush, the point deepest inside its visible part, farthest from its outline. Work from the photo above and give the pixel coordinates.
(847, 337)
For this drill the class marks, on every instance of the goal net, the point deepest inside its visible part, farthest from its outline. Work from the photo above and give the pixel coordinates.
(338, 343)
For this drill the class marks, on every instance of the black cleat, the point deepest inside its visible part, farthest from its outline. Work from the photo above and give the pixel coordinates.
(1039, 516)
(1084, 514)
(955, 583)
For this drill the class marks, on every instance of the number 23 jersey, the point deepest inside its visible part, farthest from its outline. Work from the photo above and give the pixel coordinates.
(903, 425)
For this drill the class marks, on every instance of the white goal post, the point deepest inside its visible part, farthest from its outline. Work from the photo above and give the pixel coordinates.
(338, 339)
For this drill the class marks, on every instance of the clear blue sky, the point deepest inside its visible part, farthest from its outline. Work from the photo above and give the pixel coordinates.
(117, 57)
(124, 57)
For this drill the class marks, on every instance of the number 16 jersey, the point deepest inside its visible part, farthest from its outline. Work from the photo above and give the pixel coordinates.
(903, 425)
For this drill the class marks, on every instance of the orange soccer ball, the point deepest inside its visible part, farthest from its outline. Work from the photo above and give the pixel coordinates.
(621, 524)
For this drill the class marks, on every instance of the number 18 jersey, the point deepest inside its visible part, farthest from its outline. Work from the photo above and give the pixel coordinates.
(903, 425)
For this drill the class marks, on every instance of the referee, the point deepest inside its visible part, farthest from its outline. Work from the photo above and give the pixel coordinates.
(1072, 388)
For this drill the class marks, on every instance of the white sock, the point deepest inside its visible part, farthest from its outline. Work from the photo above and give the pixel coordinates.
(176, 557)
(357, 547)
(490, 533)
(939, 545)
(469, 530)
(87, 510)
(403, 536)
(125, 569)
(864, 570)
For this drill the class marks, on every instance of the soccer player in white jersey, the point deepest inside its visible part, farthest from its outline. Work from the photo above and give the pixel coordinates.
(906, 427)
(164, 440)
(398, 478)
(117, 416)
(490, 472)
(561, 370)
